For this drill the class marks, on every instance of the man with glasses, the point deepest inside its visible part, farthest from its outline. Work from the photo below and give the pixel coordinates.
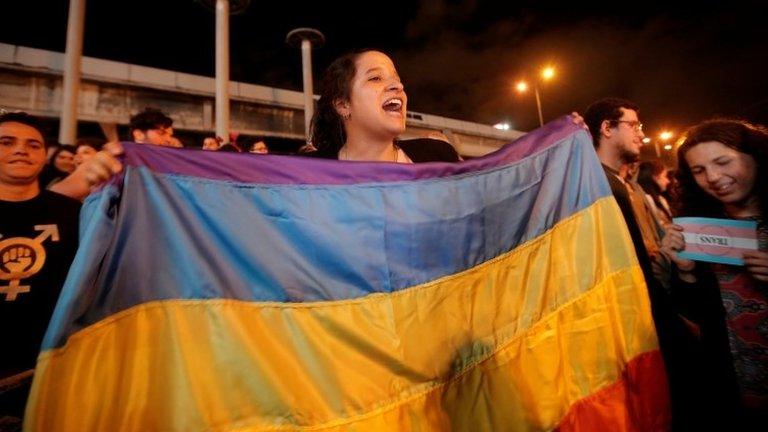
(617, 135)
(616, 131)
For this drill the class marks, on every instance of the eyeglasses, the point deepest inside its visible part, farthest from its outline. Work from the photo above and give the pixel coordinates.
(634, 124)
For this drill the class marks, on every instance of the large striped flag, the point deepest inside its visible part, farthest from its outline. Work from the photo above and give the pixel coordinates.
(219, 291)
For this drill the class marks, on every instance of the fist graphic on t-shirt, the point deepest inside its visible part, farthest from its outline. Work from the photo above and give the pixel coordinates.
(17, 259)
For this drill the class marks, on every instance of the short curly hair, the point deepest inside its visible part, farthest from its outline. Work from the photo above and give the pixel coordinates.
(605, 109)
(150, 118)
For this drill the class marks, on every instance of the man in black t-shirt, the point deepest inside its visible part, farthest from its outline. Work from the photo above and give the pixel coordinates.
(38, 240)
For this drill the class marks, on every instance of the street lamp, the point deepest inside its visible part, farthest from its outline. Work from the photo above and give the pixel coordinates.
(306, 38)
(223, 9)
(546, 74)
(664, 137)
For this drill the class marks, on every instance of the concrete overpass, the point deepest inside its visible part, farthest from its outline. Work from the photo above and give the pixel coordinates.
(31, 80)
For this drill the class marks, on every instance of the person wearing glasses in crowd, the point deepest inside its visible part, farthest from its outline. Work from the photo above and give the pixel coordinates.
(617, 135)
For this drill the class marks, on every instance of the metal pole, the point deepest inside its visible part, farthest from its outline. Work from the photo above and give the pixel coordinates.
(538, 105)
(222, 69)
(307, 39)
(306, 69)
(74, 52)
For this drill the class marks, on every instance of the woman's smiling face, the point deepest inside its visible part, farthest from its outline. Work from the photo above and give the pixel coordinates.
(377, 102)
(722, 172)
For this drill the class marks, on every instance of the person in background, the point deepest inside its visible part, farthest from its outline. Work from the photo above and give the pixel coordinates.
(211, 143)
(617, 135)
(259, 146)
(723, 170)
(91, 173)
(61, 165)
(64, 159)
(152, 126)
(86, 148)
(652, 176)
(671, 193)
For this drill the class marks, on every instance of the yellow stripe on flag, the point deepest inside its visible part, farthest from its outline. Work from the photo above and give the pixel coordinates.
(508, 345)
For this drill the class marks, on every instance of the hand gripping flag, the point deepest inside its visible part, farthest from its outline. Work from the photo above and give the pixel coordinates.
(221, 291)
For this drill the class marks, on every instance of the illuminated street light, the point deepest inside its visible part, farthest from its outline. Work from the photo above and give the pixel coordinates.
(664, 136)
(546, 74)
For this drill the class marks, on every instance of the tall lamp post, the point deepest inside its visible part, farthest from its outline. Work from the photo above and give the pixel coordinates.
(522, 86)
(223, 9)
(72, 61)
(306, 39)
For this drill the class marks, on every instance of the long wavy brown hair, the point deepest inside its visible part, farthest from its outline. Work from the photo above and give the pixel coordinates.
(328, 134)
(739, 135)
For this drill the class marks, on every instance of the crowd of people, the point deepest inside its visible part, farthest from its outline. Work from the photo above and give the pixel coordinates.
(711, 319)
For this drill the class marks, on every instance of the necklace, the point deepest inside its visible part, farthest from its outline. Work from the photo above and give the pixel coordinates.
(344, 153)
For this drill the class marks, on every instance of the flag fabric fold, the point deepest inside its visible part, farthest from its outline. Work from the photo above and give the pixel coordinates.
(220, 291)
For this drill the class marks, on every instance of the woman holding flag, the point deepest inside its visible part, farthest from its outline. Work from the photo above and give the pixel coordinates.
(362, 111)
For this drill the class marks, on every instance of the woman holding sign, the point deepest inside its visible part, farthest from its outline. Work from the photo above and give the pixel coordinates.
(723, 172)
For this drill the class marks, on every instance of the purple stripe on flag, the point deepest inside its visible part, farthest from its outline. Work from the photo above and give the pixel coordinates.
(273, 169)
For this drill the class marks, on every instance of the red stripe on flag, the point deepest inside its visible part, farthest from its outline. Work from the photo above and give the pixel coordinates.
(639, 401)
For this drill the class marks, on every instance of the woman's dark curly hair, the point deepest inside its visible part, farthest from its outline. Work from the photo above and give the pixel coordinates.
(645, 177)
(645, 174)
(328, 134)
(739, 135)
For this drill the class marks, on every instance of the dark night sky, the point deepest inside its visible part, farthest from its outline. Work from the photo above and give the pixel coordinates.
(681, 63)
